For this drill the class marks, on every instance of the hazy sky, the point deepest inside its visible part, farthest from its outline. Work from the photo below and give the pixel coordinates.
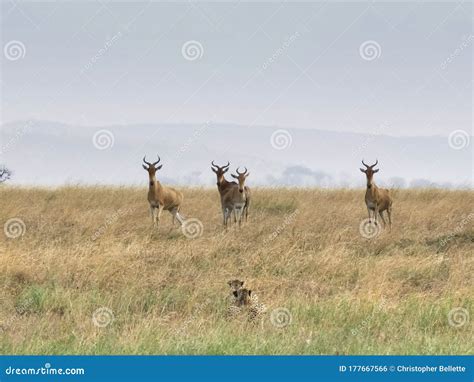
(334, 66)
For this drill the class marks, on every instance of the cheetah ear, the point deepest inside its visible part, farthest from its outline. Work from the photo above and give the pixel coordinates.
(250, 292)
(234, 293)
(229, 283)
(241, 283)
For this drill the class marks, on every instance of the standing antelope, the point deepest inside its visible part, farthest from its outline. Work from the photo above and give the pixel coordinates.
(377, 199)
(161, 197)
(223, 185)
(235, 198)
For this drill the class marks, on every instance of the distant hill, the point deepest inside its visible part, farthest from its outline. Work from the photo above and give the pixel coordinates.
(50, 153)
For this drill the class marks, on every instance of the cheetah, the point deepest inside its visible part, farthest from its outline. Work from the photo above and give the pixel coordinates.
(246, 302)
(235, 284)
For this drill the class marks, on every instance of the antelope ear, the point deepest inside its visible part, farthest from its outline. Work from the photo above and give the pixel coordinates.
(214, 170)
(226, 170)
(234, 293)
(159, 167)
(234, 176)
(246, 176)
(376, 171)
(362, 170)
(144, 167)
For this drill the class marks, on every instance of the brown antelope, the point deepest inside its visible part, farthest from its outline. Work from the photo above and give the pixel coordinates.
(161, 197)
(235, 198)
(223, 185)
(377, 199)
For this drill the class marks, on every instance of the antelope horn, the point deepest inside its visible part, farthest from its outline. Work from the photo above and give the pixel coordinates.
(365, 164)
(375, 164)
(144, 160)
(214, 165)
(158, 161)
(227, 165)
(241, 173)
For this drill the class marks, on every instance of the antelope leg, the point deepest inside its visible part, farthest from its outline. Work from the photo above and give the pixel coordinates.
(177, 216)
(158, 215)
(389, 213)
(383, 220)
(238, 212)
(224, 211)
(152, 214)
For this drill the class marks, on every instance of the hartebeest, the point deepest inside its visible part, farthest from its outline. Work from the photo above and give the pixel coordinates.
(161, 197)
(247, 200)
(223, 185)
(376, 199)
(235, 198)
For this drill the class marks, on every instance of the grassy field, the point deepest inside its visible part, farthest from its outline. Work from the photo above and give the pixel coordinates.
(83, 272)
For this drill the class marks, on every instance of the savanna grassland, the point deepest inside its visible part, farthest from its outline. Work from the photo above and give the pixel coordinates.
(82, 249)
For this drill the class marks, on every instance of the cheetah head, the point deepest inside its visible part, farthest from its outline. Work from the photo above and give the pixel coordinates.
(242, 296)
(235, 284)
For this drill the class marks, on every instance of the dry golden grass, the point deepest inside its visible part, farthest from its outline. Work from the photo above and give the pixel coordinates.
(87, 248)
